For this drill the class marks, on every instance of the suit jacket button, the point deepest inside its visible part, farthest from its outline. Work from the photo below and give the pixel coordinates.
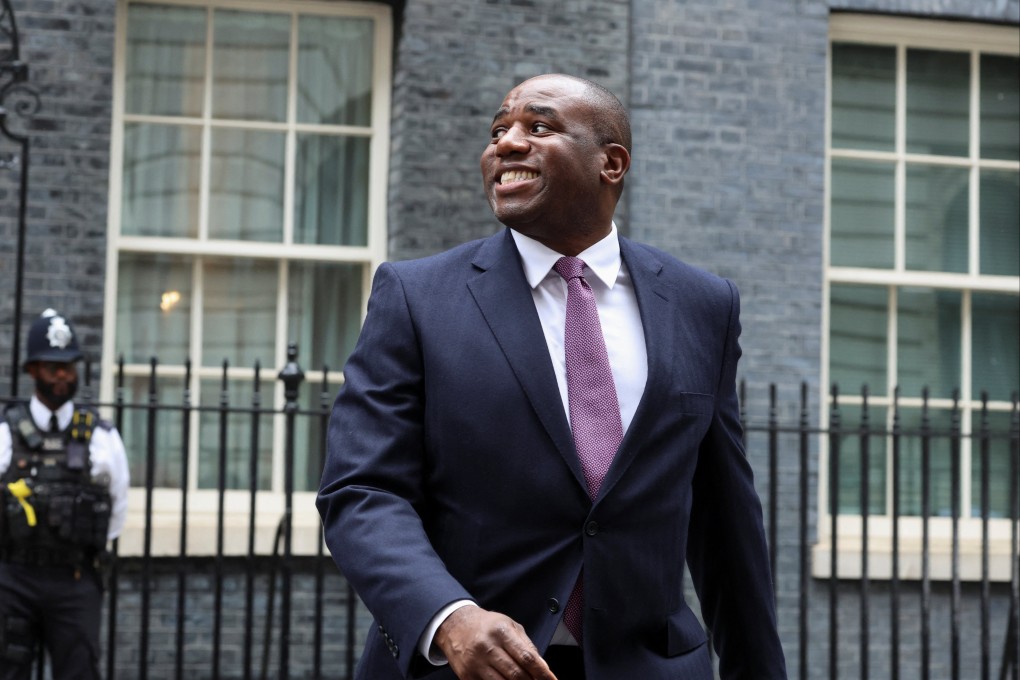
(554, 605)
(591, 528)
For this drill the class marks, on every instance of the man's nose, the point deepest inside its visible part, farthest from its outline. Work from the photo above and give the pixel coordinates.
(513, 140)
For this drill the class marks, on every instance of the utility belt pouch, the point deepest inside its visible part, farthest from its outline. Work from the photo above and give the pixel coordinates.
(16, 644)
(91, 518)
(17, 525)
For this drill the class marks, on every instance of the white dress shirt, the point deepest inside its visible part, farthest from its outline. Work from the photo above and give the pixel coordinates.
(106, 456)
(620, 317)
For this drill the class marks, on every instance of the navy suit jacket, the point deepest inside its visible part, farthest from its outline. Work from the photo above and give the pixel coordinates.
(451, 474)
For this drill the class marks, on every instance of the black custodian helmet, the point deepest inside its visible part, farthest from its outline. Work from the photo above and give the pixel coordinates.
(51, 338)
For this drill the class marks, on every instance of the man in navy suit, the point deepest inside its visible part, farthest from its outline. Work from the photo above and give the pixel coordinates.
(453, 497)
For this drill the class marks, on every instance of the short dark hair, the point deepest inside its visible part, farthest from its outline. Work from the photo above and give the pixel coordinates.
(610, 119)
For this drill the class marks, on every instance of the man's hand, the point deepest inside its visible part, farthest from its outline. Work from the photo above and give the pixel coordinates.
(484, 645)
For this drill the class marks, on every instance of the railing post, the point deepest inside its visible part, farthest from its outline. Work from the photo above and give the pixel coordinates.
(956, 595)
(894, 589)
(150, 482)
(221, 494)
(320, 574)
(182, 560)
(834, 443)
(111, 620)
(803, 531)
(1011, 647)
(292, 377)
(773, 485)
(253, 485)
(925, 536)
(864, 442)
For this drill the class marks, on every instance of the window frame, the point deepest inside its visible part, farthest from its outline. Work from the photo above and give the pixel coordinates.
(902, 34)
(203, 503)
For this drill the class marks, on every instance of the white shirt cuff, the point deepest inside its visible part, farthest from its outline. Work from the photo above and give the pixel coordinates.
(436, 657)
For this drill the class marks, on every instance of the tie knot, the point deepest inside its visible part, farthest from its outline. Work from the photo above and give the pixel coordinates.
(569, 267)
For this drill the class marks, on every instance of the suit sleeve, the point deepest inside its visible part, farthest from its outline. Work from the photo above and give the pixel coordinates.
(727, 553)
(371, 497)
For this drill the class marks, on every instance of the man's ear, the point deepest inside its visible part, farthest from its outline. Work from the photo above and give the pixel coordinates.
(32, 368)
(616, 162)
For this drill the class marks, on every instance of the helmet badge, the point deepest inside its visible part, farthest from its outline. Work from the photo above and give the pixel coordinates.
(59, 333)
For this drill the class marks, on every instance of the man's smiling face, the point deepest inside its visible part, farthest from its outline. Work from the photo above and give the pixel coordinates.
(542, 166)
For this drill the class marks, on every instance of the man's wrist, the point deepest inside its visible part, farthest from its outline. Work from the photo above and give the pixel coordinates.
(434, 655)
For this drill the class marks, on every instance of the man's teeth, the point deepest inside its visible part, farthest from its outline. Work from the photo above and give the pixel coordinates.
(516, 176)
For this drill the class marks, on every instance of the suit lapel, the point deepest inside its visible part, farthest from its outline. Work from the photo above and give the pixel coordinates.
(504, 298)
(658, 308)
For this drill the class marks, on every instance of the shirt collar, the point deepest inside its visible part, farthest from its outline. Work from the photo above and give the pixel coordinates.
(41, 414)
(602, 258)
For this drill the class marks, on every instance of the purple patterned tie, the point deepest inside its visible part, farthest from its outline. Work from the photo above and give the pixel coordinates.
(591, 397)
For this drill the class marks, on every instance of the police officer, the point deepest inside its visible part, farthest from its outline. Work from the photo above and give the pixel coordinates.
(63, 487)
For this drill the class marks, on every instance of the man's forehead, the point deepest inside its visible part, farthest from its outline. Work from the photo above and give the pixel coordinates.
(544, 94)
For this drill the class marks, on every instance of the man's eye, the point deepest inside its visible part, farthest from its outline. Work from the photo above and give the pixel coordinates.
(498, 133)
(540, 127)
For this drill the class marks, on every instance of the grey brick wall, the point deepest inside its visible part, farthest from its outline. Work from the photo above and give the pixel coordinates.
(456, 61)
(199, 589)
(728, 106)
(68, 46)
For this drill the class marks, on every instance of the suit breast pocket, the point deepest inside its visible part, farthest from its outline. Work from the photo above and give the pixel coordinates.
(693, 403)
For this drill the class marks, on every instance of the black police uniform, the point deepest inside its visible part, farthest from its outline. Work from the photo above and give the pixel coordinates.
(54, 519)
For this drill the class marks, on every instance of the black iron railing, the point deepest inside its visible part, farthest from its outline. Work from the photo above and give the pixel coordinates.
(311, 621)
(798, 436)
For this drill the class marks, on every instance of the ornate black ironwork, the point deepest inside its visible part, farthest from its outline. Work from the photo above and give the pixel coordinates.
(17, 100)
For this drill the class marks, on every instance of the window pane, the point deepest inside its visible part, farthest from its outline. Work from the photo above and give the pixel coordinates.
(850, 458)
(168, 435)
(999, 472)
(235, 424)
(863, 97)
(1000, 107)
(940, 463)
(1000, 223)
(938, 102)
(335, 71)
(937, 217)
(165, 60)
(161, 178)
(995, 333)
(324, 312)
(928, 341)
(246, 185)
(239, 322)
(862, 216)
(331, 197)
(153, 308)
(250, 58)
(858, 323)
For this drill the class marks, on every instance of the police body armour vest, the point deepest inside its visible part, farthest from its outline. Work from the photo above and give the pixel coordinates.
(50, 500)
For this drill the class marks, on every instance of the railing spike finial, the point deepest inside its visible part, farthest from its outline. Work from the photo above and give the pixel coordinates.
(291, 375)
